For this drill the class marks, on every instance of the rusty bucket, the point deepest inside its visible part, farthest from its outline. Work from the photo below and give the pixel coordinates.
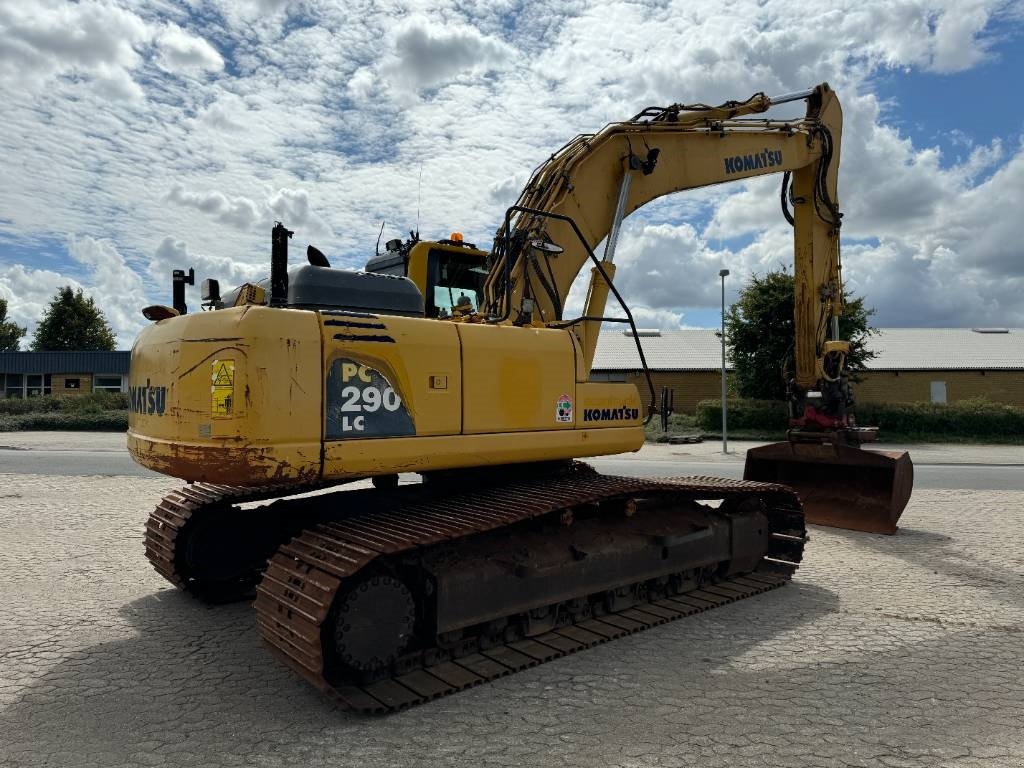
(841, 486)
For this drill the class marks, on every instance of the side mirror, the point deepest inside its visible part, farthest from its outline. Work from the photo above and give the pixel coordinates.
(211, 291)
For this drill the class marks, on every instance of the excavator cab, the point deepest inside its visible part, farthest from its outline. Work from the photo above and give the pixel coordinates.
(450, 272)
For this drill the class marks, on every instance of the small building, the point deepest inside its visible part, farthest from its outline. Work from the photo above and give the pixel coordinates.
(936, 365)
(689, 362)
(940, 365)
(27, 374)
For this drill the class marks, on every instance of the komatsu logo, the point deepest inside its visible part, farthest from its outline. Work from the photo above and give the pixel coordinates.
(767, 159)
(611, 414)
(147, 399)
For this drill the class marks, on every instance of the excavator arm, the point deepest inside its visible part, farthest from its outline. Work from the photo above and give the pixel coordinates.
(580, 196)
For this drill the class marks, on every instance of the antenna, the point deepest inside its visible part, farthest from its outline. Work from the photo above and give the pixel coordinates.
(419, 198)
(377, 249)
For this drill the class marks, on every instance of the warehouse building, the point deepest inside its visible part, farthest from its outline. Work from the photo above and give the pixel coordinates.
(912, 365)
(936, 365)
(27, 374)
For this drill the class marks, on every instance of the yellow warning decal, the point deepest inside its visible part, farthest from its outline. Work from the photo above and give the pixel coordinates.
(222, 387)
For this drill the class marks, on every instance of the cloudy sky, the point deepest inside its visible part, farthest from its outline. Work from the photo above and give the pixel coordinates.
(141, 136)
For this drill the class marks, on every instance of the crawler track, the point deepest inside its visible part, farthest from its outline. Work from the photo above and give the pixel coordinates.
(303, 577)
(173, 521)
(336, 536)
(431, 681)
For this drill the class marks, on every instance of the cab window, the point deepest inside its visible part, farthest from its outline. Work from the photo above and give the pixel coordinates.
(454, 281)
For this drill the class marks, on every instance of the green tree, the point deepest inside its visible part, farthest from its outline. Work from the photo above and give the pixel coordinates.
(760, 335)
(10, 332)
(73, 322)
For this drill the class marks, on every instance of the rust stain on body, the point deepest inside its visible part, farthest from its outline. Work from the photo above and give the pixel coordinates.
(244, 465)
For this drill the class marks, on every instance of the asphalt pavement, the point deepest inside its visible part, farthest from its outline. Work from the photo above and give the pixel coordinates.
(973, 467)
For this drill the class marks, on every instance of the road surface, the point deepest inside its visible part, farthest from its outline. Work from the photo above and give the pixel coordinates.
(107, 456)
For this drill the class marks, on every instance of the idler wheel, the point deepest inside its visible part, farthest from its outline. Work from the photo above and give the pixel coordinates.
(222, 553)
(373, 623)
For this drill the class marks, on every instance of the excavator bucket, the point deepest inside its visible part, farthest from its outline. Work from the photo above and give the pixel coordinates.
(841, 486)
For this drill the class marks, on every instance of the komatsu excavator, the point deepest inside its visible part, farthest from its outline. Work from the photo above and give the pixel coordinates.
(459, 365)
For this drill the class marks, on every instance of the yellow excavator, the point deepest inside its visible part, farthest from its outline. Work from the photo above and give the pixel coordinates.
(458, 364)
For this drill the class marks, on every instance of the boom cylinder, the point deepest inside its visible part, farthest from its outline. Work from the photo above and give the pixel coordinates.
(620, 212)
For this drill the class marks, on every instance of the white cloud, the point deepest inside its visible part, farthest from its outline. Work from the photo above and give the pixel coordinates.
(426, 54)
(185, 53)
(328, 123)
(956, 35)
(116, 287)
(28, 292)
(46, 38)
(239, 212)
(290, 205)
(174, 254)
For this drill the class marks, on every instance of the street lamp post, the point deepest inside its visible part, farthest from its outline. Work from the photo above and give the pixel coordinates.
(723, 273)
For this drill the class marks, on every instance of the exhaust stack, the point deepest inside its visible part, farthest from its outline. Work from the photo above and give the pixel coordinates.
(279, 265)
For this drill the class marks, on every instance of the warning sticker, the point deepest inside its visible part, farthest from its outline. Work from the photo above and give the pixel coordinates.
(222, 387)
(563, 409)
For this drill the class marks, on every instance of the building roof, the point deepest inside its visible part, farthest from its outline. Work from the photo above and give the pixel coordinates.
(65, 362)
(898, 349)
(940, 349)
(696, 349)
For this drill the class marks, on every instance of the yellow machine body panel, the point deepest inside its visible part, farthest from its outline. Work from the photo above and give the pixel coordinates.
(517, 379)
(378, 366)
(257, 395)
(231, 396)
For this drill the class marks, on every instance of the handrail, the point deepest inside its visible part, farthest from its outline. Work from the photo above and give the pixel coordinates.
(652, 408)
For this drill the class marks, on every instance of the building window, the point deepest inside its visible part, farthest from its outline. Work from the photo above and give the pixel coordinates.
(38, 384)
(106, 383)
(14, 385)
(938, 391)
(72, 383)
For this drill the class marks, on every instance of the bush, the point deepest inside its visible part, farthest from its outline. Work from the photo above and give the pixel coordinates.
(17, 405)
(96, 411)
(91, 402)
(102, 421)
(760, 415)
(678, 424)
(975, 418)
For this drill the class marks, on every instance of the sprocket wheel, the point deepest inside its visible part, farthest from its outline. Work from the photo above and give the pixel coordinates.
(373, 623)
